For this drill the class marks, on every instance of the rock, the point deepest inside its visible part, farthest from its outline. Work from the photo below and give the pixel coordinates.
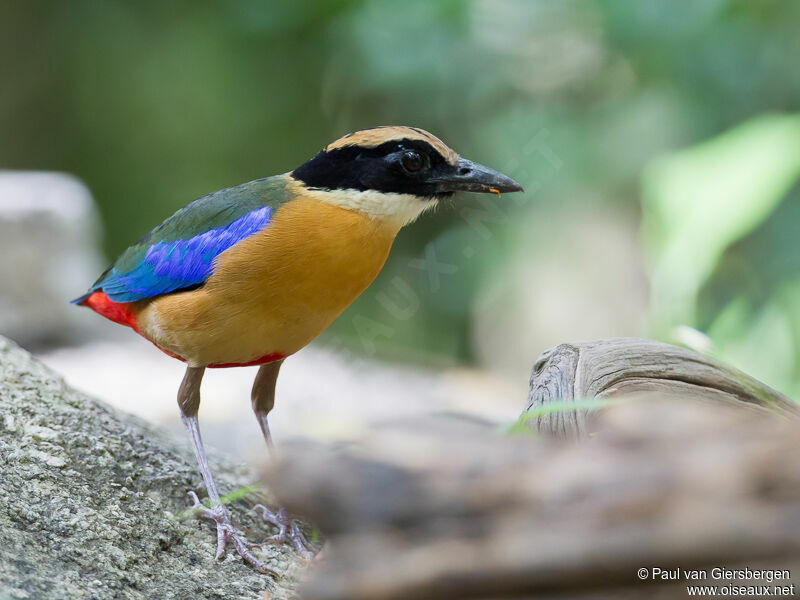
(93, 501)
(450, 510)
(49, 244)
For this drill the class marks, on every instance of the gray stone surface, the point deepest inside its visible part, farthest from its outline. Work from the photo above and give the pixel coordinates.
(91, 502)
(49, 231)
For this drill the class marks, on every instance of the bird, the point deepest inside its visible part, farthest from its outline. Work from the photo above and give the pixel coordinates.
(250, 274)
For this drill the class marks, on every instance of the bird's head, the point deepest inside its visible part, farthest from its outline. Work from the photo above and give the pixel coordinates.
(394, 173)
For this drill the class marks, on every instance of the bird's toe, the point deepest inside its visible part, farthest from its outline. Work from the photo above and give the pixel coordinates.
(289, 531)
(228, 534)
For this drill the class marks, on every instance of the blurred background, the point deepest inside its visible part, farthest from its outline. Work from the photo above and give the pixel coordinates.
(658, 143)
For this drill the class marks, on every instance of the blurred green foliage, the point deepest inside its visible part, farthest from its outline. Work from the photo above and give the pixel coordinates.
(700, 202)
(156, 103)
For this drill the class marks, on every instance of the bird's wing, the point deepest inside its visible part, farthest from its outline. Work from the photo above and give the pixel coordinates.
(179, 253)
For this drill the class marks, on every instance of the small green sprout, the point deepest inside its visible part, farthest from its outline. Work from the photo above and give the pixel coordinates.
(521, 426)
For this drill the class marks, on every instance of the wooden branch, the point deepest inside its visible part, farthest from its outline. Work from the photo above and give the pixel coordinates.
(621, 367)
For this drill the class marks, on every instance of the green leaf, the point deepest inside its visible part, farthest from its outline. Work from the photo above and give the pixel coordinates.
(699, 201)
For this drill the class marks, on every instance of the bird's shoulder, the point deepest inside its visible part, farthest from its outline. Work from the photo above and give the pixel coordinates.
(216, 210)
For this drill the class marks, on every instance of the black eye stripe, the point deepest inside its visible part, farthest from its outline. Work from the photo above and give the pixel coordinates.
(379, 168)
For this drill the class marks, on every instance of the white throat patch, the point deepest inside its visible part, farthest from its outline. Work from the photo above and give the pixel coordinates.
(401, 209)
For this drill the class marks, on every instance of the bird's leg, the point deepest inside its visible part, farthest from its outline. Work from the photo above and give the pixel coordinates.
(189, 403)
(263, 396)
(263, 399)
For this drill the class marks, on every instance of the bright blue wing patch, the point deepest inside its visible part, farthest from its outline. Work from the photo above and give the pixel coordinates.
(168, 266)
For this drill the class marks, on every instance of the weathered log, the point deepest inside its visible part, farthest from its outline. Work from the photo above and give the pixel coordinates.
(621, 367)
(425, 511)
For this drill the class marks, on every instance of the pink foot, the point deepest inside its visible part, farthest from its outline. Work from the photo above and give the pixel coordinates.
(226, 533)
(288, 530)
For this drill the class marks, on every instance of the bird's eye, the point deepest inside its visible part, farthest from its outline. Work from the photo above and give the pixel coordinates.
(412, 161)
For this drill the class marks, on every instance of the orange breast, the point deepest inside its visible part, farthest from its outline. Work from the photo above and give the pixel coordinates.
(274, 292)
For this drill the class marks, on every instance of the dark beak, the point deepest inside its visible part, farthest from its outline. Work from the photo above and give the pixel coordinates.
(468, 176)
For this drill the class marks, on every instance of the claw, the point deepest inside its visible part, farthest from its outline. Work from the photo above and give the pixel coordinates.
(197, 504)
(221, 550)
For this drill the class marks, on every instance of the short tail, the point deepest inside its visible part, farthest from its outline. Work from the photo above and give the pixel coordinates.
(82, 299)
(119, 312)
